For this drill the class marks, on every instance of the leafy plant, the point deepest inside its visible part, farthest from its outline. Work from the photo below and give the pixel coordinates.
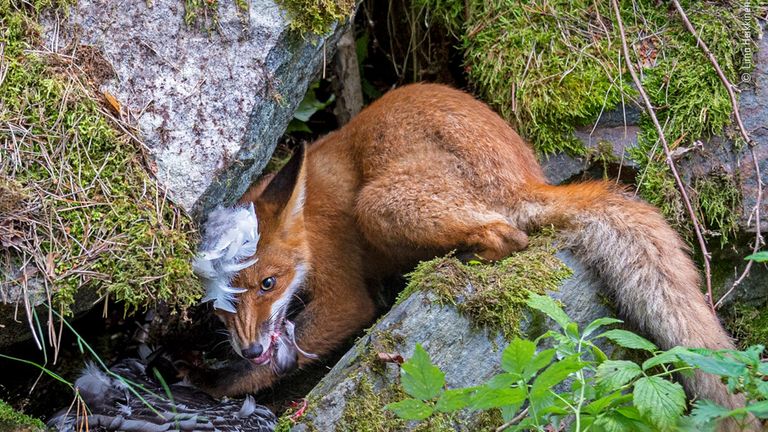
(307, 108)
(563, 379)
(759, 257)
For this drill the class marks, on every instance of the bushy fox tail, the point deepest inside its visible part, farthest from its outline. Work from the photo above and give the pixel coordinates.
(644, 264)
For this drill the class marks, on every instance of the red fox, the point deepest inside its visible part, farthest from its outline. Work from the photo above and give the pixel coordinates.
(423, 171)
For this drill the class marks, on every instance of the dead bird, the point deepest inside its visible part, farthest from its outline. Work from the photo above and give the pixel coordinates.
(114, 405)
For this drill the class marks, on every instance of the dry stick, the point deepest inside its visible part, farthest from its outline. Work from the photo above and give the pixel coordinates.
(744, 134)
(517, 418)
(670, 162)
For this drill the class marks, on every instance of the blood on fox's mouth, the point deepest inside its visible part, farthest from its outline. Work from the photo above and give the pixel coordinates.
(267, 355)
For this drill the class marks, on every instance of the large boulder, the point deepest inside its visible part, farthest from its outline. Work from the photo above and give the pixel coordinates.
(210, 103)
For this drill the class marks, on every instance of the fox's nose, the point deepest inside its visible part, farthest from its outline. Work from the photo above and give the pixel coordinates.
(253, 351)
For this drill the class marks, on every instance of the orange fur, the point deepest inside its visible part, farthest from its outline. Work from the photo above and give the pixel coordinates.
(425, 170)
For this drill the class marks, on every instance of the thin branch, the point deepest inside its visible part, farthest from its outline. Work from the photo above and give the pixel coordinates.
(667, 153)
(517, 418)
(729, 87)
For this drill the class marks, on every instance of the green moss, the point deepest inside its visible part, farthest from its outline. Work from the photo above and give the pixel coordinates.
(718, 199)
(94, 217)
(499, 290)
(11, 419)
(316, 16)
(364, 410)
(202, 13)
(749, 325)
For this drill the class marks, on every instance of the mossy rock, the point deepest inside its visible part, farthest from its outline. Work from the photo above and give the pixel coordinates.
(84, 216)
(14, 421)
(462, 314)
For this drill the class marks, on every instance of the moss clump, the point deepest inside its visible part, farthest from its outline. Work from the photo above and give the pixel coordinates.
(204, 14)
(551, 66)
(92, 217)
(718, 198)
(749, 325)
(13, 420)
(316, 16)
(364, 410)
(493, 295)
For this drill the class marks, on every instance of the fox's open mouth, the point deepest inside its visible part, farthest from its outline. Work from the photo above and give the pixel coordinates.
(284, 337)
(265, 357)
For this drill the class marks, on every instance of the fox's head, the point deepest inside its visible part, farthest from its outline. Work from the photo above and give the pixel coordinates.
(254, 259)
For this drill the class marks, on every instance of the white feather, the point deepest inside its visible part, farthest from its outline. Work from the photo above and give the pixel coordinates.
(231, 235)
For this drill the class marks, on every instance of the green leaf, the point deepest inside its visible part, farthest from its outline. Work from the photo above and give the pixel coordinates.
(555, 374)
(661, 401)
(502, 380)
(599, 405)
(664, 357)
(614, 422)
(704, 412)
(628, 339)
(297, 126)
(760, 257)
(600, 322)
(762, 388)
(419, 377)
(454, 399)
(517, 355)
(410, 409)
(540, 361)
(713, 365)
(759, 409)
(616, 373)
(549, 307)
(487, 398)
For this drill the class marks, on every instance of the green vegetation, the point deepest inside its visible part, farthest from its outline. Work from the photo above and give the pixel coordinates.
(562, 67)
(500, 289)
(316, 16)
(11, 419)
(85, 213)
(204, 14)
(749, 324)
(568, 381)
(718, 198)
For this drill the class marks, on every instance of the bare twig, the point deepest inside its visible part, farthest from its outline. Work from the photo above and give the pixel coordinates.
(516, 419)
(744, 134)
(667, 153)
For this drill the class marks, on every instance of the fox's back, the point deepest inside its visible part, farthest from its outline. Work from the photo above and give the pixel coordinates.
(432, 127)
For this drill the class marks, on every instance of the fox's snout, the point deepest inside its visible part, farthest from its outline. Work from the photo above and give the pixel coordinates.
(253, 351)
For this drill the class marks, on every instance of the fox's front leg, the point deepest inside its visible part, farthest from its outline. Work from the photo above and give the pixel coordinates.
(331, 319)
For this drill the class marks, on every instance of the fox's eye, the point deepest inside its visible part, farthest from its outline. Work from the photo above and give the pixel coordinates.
(268, 283)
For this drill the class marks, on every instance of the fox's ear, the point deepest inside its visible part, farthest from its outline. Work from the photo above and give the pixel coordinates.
(287, 189)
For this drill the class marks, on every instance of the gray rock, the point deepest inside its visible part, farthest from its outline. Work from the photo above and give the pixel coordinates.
(604, 137)
(210, 106)
(468, 356)
(754, 113)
